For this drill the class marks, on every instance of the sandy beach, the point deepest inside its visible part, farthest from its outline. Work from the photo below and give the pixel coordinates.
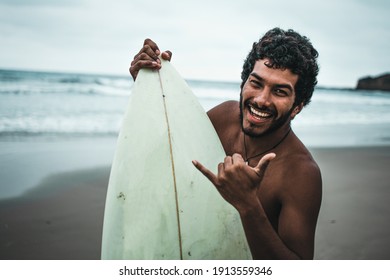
(61, 216)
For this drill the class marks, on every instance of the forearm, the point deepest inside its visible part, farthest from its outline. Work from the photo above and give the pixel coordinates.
(264, 242)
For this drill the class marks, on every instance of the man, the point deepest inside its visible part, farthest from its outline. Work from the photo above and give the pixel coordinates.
(278, 194)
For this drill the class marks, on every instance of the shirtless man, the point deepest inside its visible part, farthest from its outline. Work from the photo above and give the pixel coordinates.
(268, 175)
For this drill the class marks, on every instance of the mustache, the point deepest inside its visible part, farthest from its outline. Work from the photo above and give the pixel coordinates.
(265, 109)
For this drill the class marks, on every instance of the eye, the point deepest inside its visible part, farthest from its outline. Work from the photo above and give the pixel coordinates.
(255, 83)
(280, 92)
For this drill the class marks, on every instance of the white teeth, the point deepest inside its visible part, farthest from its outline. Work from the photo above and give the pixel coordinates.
(259, 114)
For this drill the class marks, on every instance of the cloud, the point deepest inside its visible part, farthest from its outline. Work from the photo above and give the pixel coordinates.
(209, 39)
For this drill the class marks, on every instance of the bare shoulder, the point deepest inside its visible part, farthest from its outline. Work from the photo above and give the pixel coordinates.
(302, 177)
(226, 121)
(295, 175)
(304, 161)
(222, 113)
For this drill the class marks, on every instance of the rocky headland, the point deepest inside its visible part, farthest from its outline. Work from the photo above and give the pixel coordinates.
(381, 82)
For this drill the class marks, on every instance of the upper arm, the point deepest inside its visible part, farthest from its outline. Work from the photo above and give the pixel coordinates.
(300, 207)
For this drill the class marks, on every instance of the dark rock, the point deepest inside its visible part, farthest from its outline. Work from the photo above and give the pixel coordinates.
(381, 82)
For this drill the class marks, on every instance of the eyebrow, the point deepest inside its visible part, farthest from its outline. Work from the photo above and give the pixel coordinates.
(287, 86)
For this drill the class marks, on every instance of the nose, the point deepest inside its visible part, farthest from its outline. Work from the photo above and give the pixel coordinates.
(263, 97)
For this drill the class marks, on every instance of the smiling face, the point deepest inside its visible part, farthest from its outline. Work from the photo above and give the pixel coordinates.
(267, 99)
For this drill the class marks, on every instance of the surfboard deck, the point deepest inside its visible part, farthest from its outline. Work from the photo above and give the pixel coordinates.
(158, 206)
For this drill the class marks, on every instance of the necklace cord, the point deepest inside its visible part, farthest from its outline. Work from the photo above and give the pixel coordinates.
(259, 154)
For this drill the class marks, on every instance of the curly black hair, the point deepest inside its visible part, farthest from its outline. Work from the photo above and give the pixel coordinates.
(287, 50)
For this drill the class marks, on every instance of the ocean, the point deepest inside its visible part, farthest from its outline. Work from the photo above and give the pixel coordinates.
(53, 123)
(58, 105)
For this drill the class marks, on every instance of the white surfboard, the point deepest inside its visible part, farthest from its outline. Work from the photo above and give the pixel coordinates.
(158, 205)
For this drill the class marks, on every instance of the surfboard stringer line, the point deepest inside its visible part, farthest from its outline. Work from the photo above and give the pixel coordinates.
(173, 166)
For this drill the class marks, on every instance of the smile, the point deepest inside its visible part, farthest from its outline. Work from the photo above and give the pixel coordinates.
(259, 115)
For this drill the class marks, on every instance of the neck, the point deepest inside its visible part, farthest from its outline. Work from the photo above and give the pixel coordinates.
(255, 147)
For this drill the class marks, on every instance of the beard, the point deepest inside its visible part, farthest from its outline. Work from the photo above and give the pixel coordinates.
(278, 122)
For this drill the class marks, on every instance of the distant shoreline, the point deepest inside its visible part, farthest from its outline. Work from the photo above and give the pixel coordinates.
(188, 80)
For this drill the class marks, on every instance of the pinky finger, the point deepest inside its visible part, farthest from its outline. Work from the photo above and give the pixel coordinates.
(207, 173)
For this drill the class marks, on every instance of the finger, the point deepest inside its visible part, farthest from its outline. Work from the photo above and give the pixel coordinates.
(237, 158)
(147, 53)
(144, 60)
(167, 55)
(220, 169)
(150, 50)
(149, 43)
(138, 65)
(263, 164)
(228, 161)
(209, 175)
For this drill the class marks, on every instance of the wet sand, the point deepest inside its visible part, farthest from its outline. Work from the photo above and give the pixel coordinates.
(62, 216)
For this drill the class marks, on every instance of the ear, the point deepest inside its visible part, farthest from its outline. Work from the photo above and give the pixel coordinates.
(296, 110)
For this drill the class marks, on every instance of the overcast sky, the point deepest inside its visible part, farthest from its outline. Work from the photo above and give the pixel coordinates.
(209, 39)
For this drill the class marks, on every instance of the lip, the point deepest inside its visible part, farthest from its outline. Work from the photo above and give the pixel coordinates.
(258, 116)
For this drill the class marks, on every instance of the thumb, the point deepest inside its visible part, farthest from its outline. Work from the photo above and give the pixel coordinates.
(263, 164)
(167, 55)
